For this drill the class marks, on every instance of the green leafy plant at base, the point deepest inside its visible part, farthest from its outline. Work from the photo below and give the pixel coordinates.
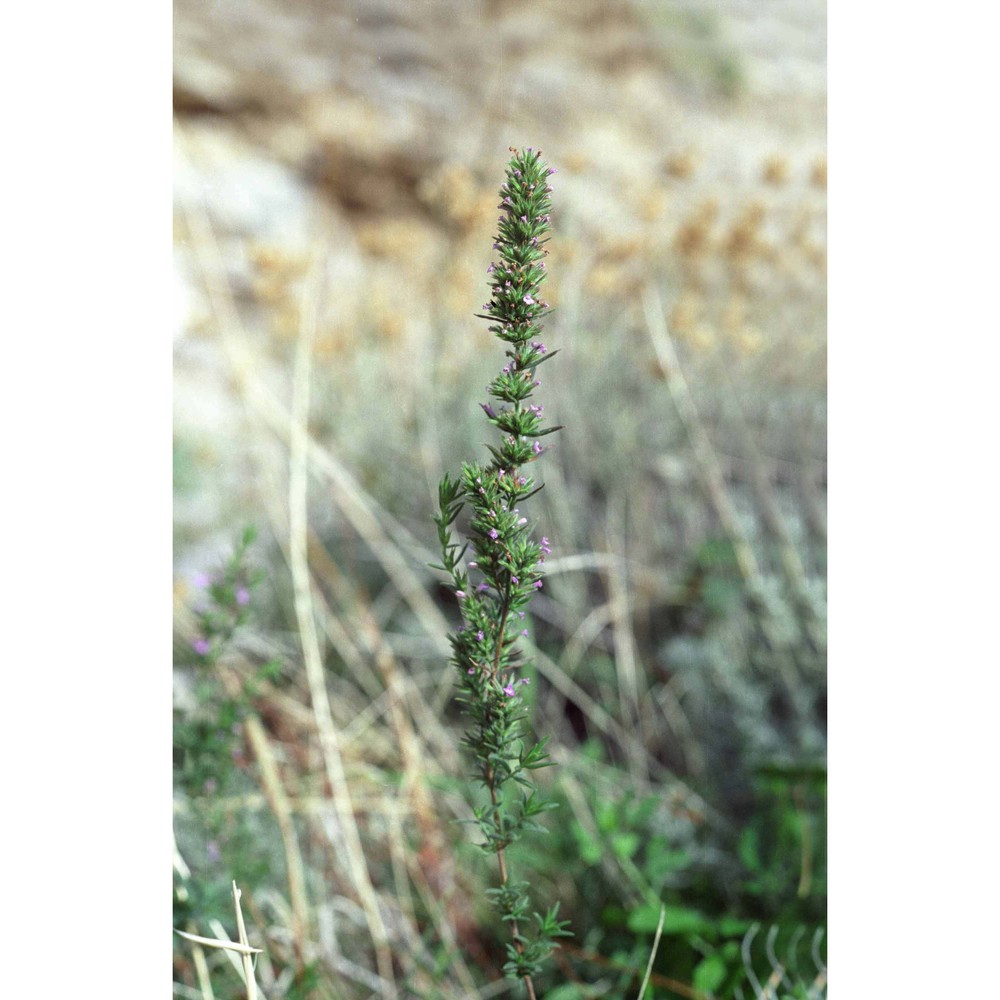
(209, 763)
(495, 588)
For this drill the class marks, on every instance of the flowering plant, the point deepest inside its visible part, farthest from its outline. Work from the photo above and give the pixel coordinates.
(496, 586)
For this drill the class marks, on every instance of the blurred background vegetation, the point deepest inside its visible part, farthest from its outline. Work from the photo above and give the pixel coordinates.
(335, 191)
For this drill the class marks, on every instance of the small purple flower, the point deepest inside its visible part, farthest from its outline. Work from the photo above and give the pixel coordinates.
(552, 170)
(509, 690)
(242, 596)
(461, 593)
(473, 565)
(522, 520)
(537, 585)
(525, 680)
(479, 636)
(494, 534)
(524, 632)
(491, 268)
(201, 647)
(537, 448)
(514, 580)
(482, 588)
(528, 300)
(521, 481)
(471, 670)
(202, 581)
(545, 545)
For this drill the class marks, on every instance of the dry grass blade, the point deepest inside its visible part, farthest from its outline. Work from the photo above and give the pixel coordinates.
(280, 805)
(305, 617)
(246, 951)
(241, 949)
(707, 462)
(652, 954)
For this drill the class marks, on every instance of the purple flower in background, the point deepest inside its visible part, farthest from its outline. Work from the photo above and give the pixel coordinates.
(479, 635)
(545, 545)
(242, 596)
(202, 581)
(494, 534)
(201, 647)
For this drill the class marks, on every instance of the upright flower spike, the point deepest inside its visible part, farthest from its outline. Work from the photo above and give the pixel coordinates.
(509, 561)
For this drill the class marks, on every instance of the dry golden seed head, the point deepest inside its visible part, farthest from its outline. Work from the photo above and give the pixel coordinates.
(693, 237)
(390, 325)
(817, 175)
(775, 170)
(331, 343)
(743, 237)
(576, 162)
(265, 258)
(681, 165)
(653, 206)
(605, 279)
